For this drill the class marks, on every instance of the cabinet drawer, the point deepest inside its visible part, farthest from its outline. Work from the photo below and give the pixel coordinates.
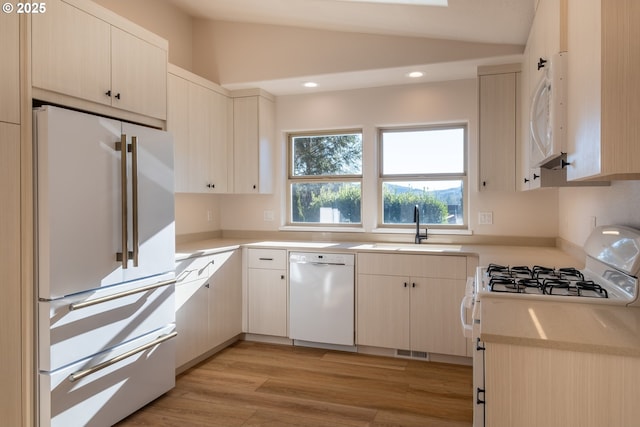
(192, 269)
(272, 259)
(436, 266)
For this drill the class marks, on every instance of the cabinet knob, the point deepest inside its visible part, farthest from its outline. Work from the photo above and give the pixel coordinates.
(211, 186)
(108, 93)
(117, 96)
(526, 180)
(535, 176)
(541, 63)
(207, 285)
(564, 163)
(413, 285)
(484, 183)
(254, 186)
(282, 276)
(406, 284)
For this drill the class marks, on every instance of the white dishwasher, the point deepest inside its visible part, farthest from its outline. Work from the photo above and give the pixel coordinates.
(321, 298)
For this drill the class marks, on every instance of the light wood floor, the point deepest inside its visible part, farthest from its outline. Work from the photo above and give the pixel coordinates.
(255, 384)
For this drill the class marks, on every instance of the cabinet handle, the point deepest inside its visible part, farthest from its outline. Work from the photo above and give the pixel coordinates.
(484, 183)
(526, 180)
(282, 276)
(541, 63)
(413, 285)
(478, 346)
(108, 93)
(211, 185)
(406, 284)
(117, 96)
(254, 186)
(535, 176)
(265, 259)
(478, 400)
(564, 164)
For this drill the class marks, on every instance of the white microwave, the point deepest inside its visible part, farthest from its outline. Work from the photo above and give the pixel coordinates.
(548, 113)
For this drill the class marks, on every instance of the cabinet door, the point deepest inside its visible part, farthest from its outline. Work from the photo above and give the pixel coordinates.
(497, 131)
(10, 303)
(192, 320)
(383, 311)
(71, 53)
(10, 68)
(435, 316)
(199, 115)
(245, 145)
(225, 297)
(220, 114)
(138, 75)
(267, 302)
(178, 125)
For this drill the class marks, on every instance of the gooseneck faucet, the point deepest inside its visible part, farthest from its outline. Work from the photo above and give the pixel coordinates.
(416, 219)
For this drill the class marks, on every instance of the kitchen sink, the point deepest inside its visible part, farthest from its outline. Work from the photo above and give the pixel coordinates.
(408, 247)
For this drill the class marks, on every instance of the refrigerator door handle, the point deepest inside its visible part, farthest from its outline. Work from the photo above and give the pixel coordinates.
(100, 366)
(91, 302)
(134, 197)
(122, 147)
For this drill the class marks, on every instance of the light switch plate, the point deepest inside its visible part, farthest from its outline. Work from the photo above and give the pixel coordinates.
(485, 218)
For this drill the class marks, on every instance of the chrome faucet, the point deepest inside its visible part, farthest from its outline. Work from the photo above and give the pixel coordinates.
(416, 219)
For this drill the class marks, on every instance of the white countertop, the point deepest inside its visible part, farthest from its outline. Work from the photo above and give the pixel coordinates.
(584, 327)
(509, 255)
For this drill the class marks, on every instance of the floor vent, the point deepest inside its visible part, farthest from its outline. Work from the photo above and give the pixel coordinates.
(422, 355)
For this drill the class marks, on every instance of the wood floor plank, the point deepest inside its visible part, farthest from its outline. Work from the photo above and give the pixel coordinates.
(257, 384)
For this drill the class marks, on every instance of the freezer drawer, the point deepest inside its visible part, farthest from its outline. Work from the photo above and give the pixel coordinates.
(67, 334)
(107, 395)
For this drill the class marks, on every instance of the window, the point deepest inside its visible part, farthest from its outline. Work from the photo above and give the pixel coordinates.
(424, 166)
(325, 178)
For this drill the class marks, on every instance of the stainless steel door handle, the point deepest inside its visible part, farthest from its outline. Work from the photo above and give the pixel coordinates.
(123, 256)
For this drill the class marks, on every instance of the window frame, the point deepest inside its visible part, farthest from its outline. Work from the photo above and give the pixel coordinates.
(318, 179)
(425, 177)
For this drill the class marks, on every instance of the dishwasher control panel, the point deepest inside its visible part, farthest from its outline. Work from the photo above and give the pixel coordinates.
(321, 258)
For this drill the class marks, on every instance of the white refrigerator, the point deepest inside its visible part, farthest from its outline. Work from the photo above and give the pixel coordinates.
(105, 266)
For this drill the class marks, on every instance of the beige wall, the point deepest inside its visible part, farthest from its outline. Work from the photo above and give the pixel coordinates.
(230, 52)
(515, 214)
(162, 18)
(618, 204)
(197, 213)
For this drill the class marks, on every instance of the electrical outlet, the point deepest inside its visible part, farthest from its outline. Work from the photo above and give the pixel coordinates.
(485, 218)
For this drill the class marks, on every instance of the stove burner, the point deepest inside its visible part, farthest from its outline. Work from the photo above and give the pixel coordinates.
(590, 285)
(548, 285)
(570, 273)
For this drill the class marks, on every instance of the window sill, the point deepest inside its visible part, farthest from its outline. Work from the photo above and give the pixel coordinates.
(327, 229)
(432, 231)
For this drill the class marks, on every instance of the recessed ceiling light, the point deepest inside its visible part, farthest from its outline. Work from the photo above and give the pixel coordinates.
(415, 74)
(310, 84)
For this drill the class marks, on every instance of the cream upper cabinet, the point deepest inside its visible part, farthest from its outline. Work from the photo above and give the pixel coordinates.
(411, 302)
(498, 93)
(10, 68)
(78, 53)
(200, 119)
(603, 89)
(253, 138)
(138, 75)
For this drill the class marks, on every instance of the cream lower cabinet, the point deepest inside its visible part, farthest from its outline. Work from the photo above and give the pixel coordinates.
(77, 52)
(208, 303)
(416, 311)
(267, 305)
(535, 386)
(11, 387)
(200, 116)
